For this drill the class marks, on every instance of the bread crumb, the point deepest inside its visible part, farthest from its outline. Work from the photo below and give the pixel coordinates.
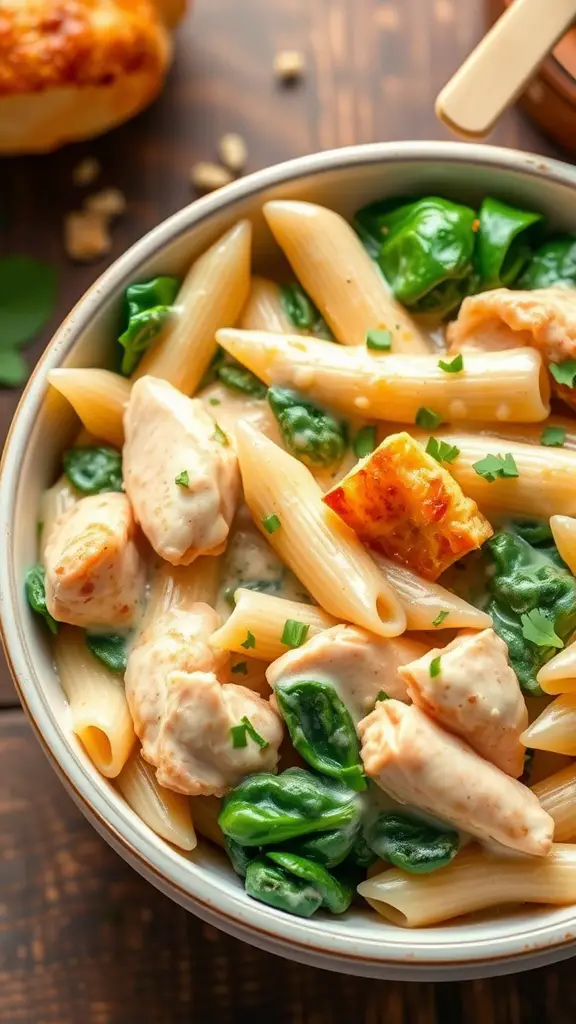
(289, 65)
(233, 152)
(86, 172)
(110, 202)
(207, 177)
(86, 236)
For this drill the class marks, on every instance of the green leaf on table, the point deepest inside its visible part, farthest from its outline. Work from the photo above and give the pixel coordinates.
(13, 368)
(28, 289)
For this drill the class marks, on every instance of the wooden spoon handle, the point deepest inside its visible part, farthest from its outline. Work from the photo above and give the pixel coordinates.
(497, 70)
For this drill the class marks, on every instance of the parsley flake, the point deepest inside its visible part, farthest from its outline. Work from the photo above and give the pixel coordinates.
(220, 436)
(441, 450)
(249, 642)
(440, 618)
(382, 696)
(379, 341)
(453, 365)
(435, 667)
(554, 437)
(294, 633)
(271, 523)
(183, 480)
(427, 418)
(539, 630)
(564, 373)
(496, 467)
(239, 734)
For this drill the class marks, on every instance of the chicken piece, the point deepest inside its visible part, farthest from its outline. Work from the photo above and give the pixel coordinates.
(403, 503)
(94, 574)
(544, 318)
(358, 664)
(476, 695)
(413, 760)
(72, 69)
(182, 713)
(180, 472)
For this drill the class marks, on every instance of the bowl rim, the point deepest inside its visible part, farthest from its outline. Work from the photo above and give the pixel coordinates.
(250, 920)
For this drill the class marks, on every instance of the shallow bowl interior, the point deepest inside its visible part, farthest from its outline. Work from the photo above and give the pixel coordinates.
(359, 942)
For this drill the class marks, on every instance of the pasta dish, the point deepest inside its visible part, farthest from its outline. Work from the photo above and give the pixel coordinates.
(308, 572)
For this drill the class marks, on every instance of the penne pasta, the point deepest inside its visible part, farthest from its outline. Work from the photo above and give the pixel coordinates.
(167, 813)
(211, 296)
(555, 728)
(264, 310)
(559, 674)
(321, 550)
(564, 533)
(183, 585)
(265, 617)
(205, 811)
(55, 501)
(473, 881)
(100, 715)
(227, 408)
(525, 433)
(424, 602)
(98, 398)
(334, 268)
(497, 386)
(546, 481)
(557, 794)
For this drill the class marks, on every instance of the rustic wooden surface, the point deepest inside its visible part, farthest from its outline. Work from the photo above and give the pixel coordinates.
(83, 940)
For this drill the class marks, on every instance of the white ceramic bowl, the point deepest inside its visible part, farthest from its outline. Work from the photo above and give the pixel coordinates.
(359, 942)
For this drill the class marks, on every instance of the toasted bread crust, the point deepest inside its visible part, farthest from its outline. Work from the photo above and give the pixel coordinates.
(46, 44)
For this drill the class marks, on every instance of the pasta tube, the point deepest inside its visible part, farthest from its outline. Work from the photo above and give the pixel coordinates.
(496, 386)
(264, 617)
(264, 310)
(559, 674)
(332, 265)
(100, 715)
(321, 550)
(564, 533)
(546, 481)
(98, 398)
(183, 585)
(557, 794)
(212, 295)
(555, 728)
(425, 603)
(525, 433)
(165, 812)
(205, 814)
(54, 502)
(473, 881)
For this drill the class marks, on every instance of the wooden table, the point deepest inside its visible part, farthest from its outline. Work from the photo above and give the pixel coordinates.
(83, 940)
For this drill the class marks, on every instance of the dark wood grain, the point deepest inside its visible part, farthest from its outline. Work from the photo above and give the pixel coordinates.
(83, 940)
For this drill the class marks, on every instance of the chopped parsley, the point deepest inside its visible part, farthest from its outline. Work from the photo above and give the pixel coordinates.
(183, 480)
(539, 630)
(496, 467)
(271, 523)
(239, 735)
(294, 633)
(427, 418)
(435, 667)
(440, 618)
(452, 366)
(382, 696)
(554, 437)
(441, 450)
(249, 642)
(379, 341)
(220, 436)
(364, 442)
(564, 373)
(214, 401)
(241, 668)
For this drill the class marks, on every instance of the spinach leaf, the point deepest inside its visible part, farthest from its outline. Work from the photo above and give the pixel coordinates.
(302, 312)
(36, 595)
(411, 844)
(28, 290)
(336, 896)
(503, 244)
(309, 433)
(321, 729)
(328, 848)
(109, 648)
(552, 265)
(271, 809)
(268, 884)
(526, 579)
(240, 856)
(93, 469)
(148, 307)
(238, 378)
(426, 252)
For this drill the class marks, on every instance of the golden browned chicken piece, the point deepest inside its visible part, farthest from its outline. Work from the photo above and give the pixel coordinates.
(544, 318)
(94, 574)
(401, 502)
(72, 69)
